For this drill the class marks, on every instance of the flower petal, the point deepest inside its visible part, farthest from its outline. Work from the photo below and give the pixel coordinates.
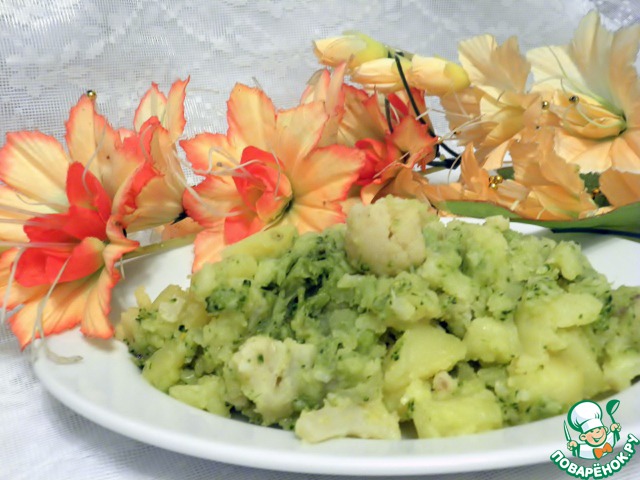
(211, 200)
(494, 68)
(437, 76)
(240, 224)
(299, 130)
(362, 118)
(413, 137)
(157, 188)
(152, 104)
(62, 311)
(353, 47)
(186, 226)
(175, 120)
(168, 110)
(263, 186)
(39, 266)
(96, 145)
(35, 165)
(208, 245)
(118, 245)
(14, 294)
(252, 119)
(326, 175)
(95, 315)
(625, 151)
(15, 212)
(381, 74)
(312, 218)
(208, 152)
(620, 188)
(590, 155)
(85, 191)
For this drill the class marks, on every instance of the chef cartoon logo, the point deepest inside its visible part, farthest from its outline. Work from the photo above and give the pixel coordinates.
(597, 436)
(596, 440)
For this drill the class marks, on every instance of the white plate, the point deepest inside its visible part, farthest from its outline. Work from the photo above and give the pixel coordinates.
(108, 389)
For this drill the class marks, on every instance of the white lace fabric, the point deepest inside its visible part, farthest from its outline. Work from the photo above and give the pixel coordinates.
(52, 52)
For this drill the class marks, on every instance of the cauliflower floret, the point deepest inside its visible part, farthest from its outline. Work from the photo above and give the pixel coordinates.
(270, 373)
(386, 237)
(341, 417)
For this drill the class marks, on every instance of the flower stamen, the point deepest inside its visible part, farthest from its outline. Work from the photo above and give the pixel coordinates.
(38, 329)
(7, 293)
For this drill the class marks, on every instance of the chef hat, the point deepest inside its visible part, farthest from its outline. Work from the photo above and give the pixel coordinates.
(585, 416)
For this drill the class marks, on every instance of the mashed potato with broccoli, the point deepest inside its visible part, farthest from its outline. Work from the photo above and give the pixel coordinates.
(394, 317)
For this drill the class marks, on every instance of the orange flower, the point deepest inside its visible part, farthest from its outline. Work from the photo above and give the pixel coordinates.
(594, 91)
(62, 216)
(267, 169)
(392, 144)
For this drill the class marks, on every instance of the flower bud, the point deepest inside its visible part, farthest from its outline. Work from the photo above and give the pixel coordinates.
(437, 76)
(355, 48)
(382, 74)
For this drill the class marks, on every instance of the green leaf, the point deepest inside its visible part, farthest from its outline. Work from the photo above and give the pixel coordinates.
(592, 183)
(623, 221)
(507, 173)
(591, 180)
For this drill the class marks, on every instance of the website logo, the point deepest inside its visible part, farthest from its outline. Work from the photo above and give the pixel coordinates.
(595, 441)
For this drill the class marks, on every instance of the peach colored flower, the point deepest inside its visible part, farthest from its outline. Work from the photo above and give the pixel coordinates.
(544, 187)
(594, 92)
(62, 215)
(556, 191)
(493, 110)
(268, 169)
(475, 184)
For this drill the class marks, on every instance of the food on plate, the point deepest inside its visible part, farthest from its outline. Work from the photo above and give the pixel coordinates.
(394, 318)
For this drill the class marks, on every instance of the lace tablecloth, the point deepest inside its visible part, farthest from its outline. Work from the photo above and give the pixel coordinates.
(51, 52)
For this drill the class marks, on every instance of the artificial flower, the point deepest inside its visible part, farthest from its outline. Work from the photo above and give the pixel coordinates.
(390, 162)
(492, 111)
(268, 169)
(544, 187)
(595, 94)
(354, 48)
(391, 142)
(61, 267)
(476, 184)
(555, 189)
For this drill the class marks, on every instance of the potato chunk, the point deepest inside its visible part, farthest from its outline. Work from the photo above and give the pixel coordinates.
(457, 415)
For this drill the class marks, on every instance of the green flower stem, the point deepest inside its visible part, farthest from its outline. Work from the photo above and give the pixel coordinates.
(160, 247)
